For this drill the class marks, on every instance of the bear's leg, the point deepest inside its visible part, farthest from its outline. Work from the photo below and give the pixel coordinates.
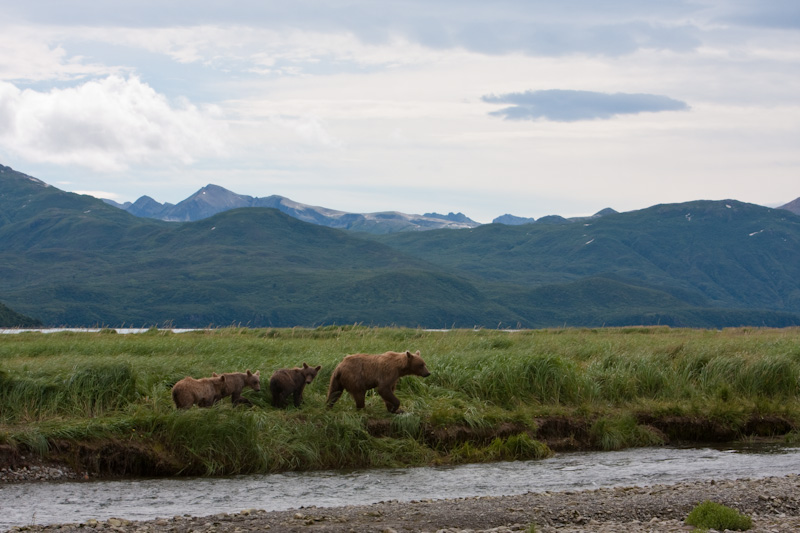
(334, 391)
(285, 399)
(391, 401)
(359, 396)
(279, 397)
(298, 396)
(275, 390)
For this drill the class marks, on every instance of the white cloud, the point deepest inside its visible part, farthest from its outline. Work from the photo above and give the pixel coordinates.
(33, 54)
(101, 194)
(106, 125)
(369, 106)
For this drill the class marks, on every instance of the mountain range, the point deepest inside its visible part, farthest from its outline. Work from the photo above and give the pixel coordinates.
(74, 260)
(213, 199)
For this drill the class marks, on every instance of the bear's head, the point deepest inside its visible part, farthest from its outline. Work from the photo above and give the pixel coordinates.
(253, 380)
(310, 372)
(415, 365)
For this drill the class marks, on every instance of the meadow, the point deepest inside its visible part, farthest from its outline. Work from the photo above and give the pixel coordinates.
(101, 401)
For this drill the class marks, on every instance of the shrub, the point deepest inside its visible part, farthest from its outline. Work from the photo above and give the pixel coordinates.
(714, 515)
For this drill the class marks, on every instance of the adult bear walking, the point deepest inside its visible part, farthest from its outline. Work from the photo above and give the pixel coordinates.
(360, 372)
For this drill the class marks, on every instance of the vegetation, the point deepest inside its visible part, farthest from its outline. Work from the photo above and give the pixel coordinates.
(102, 400)
(11, 319)
(72, 260)
(711, 515)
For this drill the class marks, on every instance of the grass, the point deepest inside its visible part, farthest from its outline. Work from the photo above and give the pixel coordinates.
(485, 399)
(711, 515)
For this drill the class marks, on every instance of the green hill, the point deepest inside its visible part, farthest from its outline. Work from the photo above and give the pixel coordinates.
(73, 260)
(11, 319)
(701, 263)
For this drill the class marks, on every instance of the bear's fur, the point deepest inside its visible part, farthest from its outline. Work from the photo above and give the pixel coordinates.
(291, 381)
(235, 382)
(358, 373)
(204, 391)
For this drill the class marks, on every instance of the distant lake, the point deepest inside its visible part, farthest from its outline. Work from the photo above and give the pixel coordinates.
(89, 330)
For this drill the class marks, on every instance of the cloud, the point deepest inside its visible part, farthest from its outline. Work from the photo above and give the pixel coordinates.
(27, 54)
(779, 14)
(190, 29)
(560, 105)
(106, 125)
(310, 129)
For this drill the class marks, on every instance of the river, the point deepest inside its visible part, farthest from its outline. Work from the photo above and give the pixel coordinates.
(141, 499)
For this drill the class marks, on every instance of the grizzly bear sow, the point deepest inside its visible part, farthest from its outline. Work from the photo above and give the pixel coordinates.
(203, 392)
(286, 381)
(235, 382)
(358, 373)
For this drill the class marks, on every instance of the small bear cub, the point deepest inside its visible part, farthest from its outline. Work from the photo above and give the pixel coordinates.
(291, 381)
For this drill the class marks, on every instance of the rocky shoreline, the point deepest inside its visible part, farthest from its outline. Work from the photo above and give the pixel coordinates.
(773, 503)
(28, 468)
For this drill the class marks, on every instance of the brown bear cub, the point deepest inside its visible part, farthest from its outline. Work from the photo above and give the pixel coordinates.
(235, 382)
(358, 373)
(204, 391)
(291, 381)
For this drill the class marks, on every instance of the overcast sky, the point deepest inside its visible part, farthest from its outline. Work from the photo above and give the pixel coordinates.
(523, 107)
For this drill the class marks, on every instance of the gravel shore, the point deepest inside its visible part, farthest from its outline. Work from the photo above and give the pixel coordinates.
(773, 503)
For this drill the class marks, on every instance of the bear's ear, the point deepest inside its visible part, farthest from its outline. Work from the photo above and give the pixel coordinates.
(417, 353)
(221, 378)
(318, 367)
(214, 375)
(305, 365)
(408, 354)
(249, 373)
(258, 373)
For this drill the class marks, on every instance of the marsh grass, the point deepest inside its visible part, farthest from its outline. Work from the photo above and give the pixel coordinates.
(95, 386)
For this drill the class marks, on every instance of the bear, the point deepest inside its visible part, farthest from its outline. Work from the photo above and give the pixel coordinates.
(286, 381)
(204, 391)
(235, 382)
(358, 373)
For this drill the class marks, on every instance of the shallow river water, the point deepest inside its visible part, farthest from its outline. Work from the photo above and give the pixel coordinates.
(72, 502)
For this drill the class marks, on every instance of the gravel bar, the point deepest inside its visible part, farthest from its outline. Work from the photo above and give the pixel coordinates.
(773, 503)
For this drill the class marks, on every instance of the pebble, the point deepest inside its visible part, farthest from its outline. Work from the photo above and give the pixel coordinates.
(38, 473)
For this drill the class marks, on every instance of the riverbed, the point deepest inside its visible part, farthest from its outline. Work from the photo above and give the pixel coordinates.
(147, 499)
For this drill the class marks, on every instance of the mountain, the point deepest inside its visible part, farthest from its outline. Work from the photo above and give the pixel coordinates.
(706, 261)
(512, 220)
(11, 319)
(74, 260)
(213, 199)
(793, 206)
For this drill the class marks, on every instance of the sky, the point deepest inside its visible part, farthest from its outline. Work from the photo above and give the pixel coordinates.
(522, 107)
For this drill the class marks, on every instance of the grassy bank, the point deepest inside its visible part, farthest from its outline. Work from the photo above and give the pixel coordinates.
(102, 400)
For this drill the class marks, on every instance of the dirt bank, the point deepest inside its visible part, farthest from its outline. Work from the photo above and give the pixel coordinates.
(774, 504)
(119, 457)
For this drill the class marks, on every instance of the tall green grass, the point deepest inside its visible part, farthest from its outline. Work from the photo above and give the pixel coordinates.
(105, 387)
